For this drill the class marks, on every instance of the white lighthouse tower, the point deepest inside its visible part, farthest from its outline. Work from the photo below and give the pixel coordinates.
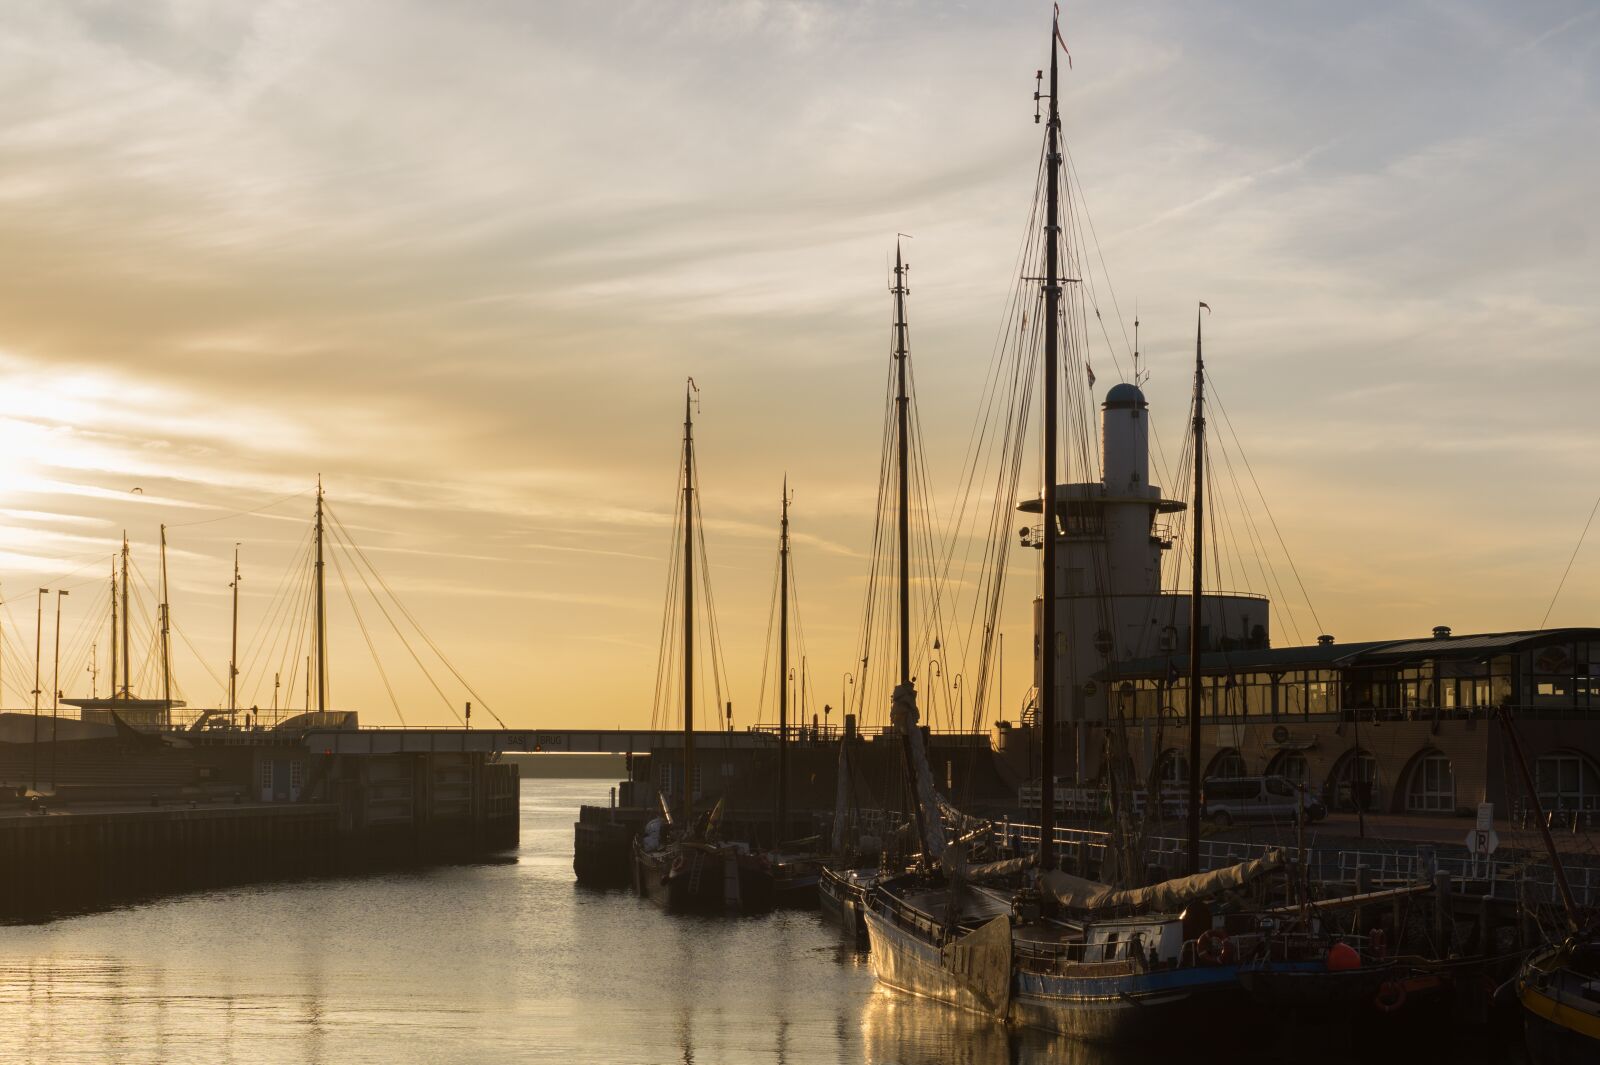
(1108, 577)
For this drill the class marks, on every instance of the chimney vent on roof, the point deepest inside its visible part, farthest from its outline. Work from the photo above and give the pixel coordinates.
(1441, 632)
(1324, 640)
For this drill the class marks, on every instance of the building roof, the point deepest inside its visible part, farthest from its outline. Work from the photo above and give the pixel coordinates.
(1335, 655)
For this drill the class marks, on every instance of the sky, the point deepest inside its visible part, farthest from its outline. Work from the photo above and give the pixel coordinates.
(458, 260)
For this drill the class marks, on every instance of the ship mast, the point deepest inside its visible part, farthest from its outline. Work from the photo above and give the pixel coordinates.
(902, 445)
(113, 626)
(166, 636)
(127, 690)
(1195, 616)
(783, 670)
(233, 654)
(902, 401)
(688, 609)
(322, 624)
(1047, 613)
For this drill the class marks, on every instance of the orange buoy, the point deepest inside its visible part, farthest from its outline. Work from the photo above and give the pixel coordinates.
(1342, 957)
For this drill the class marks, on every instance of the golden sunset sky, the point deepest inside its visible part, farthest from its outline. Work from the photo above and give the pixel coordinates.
(459, 259)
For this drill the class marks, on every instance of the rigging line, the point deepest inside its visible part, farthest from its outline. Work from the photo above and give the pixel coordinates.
(221, 684)
(1269, 572)
(51, 582)
(1265, 506)
(240, 513)
(365, 635)
(766, 645)
(277, 606)
(668, 641)
(284, 618)
(358, 553)
(292, 616)
(1576, 548)
(341, 539)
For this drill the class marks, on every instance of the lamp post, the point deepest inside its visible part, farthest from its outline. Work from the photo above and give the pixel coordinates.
(933, 667)
(961, 702)
(55, 685)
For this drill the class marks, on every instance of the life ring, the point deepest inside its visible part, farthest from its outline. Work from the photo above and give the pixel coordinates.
(1390, 997)
(1213, 948)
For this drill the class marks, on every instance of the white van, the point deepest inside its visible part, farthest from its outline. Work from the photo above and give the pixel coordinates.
(1226, 800)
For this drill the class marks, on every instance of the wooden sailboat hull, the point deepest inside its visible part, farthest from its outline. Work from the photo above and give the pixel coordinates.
(1561, 1024)
(906, 962)
(702, 879)
(1138, 1007)
(843, 898)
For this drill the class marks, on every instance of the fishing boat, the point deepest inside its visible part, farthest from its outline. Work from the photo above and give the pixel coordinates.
(679, 861)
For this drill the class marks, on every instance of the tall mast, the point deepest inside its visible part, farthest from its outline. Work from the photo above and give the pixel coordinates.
(322, 624)
(1195, 587)
(113, 626)
(127, 688)
(783, 668)
(166, 634)
(38, 647)
(688, 610)
(1047, 502)
(902, 444)
(233, 654)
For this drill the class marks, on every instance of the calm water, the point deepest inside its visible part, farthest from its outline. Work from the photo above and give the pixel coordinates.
(491, 963)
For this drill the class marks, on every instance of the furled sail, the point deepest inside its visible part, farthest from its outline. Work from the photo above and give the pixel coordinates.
(1089, 896)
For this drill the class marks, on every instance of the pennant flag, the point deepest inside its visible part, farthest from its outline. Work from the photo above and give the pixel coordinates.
(1061, 40)
(1207, 306)
(1090, 370)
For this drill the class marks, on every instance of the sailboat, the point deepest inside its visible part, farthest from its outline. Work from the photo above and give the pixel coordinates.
(680, 861)
(845, 883)
(794, 869)
(1065, 953)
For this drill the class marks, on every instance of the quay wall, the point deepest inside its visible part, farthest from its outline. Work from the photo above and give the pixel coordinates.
(197, 818)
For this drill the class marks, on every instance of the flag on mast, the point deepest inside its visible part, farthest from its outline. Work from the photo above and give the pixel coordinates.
(1060, 39)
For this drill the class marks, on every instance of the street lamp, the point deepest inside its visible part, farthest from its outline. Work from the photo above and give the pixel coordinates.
(850, 679)
(961, 701)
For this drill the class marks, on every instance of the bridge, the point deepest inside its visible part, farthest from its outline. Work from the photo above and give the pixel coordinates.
(408, 740)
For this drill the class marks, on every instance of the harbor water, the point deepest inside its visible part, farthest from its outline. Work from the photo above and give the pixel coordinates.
(500, 962)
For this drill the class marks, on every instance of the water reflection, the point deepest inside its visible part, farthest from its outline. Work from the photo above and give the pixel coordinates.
(906, 1030)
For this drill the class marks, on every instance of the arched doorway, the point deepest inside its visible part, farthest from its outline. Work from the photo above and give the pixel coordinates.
(1290, 765)
(1354, 783)
(1431, 784)
(1567, 781)
(1172, 770)
(1228, 762)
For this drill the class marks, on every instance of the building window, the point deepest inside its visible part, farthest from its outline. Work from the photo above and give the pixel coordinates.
(266, 776)
(1173, 770)
(1567, 781)
(1433, 786)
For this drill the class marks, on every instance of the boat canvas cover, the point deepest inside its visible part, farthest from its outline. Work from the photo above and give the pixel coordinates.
(981, 962)
(1089, 896)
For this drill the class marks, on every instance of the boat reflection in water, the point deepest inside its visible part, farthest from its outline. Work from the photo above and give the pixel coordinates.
(908, 1030)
